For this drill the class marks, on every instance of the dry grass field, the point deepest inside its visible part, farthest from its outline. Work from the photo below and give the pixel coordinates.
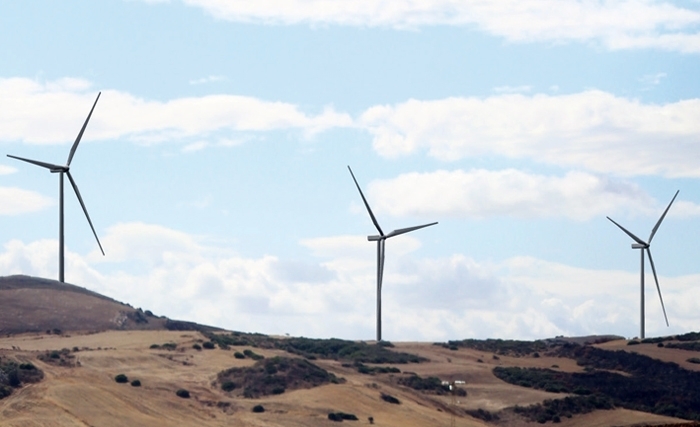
(79, 387)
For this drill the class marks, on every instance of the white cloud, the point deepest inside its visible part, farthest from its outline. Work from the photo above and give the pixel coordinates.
(208, 79)
(52, 112)
(480, 193)
(452, 297)
(7, 170)
(592, 130)
(622, 24)
(17, 201)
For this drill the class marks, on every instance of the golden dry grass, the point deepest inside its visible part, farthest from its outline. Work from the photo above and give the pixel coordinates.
(87, 395)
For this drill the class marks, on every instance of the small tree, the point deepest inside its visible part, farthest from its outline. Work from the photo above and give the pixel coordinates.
(183, 393)
(258, 408)
(121, 378)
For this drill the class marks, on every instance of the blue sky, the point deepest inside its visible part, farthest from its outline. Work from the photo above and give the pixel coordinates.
(214, 166)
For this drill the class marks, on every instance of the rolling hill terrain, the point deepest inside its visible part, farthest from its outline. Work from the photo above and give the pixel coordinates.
(70, 357)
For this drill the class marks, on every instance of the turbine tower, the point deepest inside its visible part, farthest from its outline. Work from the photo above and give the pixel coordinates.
(644, 246)
(380, 239)
(60, 170)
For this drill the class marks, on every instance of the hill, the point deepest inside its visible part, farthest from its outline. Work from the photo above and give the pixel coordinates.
(32, 304)
(204, 377)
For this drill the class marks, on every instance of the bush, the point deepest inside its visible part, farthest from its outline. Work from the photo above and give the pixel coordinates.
(694, 360)
(209, 345)
(154, 346)
(228, 386)
(239, 355)
(196, 347)
(136, 383)
(391, 399)
(258, 408)
(27, 366)
(121, 378)
(183, 393)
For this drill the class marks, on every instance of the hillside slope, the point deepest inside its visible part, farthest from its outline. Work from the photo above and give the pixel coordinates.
(32, 304)
(81, 341)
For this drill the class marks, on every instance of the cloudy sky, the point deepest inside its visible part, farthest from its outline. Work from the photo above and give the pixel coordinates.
(215, 172)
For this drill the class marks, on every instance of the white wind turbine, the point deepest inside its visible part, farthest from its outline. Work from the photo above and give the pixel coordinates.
(60, 170)
(380, 239)
(644, 246)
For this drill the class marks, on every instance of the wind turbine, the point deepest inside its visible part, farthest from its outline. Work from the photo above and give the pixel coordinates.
(380, 239)
(644, 246)
(60, 170)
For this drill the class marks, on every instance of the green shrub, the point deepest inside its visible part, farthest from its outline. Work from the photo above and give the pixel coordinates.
(136, 383)
(121, 378)
(183, 393)
(391, 399)
(27, 366)
(154, 346)
(239, 355)
(258, 409)
(694, 360)
(5, 391)
(196, 347)
(228, 386)
(209, 345)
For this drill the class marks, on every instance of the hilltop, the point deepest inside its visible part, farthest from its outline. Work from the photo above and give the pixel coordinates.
(32, 304)
(208, 377)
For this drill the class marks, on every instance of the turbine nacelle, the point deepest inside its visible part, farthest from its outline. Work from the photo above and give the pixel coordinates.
(375, 238)
(639, 246)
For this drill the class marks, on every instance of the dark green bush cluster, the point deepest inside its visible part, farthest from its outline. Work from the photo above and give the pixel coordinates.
(482, 414)
(499, 346)
(136, 383)
(274, 376)
(389, 398)
(542, 379)
(183, 393)
(258, 409)
(340, 416)
(690, 336)
(14, 374)
(334, 349)
(650, 385)
(209, 345)
(196, 346)
(240, 339)
(228, 386)
(239, 355)
(61, 357)
(554, 410)
(252, 354)
(337, 349)
(694, 360)
(689, 346)
(121, 378)
(372, 370)
(431, 385)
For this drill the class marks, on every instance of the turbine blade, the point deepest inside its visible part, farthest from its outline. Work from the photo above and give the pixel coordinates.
(636, 239)
(653, 270)
(80, 199)
(408, 230)
(38, 163)
(374, 220)
(658, 223)
(80, 135)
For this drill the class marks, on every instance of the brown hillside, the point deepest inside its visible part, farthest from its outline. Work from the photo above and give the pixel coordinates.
(102, 338)
(32, 304)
